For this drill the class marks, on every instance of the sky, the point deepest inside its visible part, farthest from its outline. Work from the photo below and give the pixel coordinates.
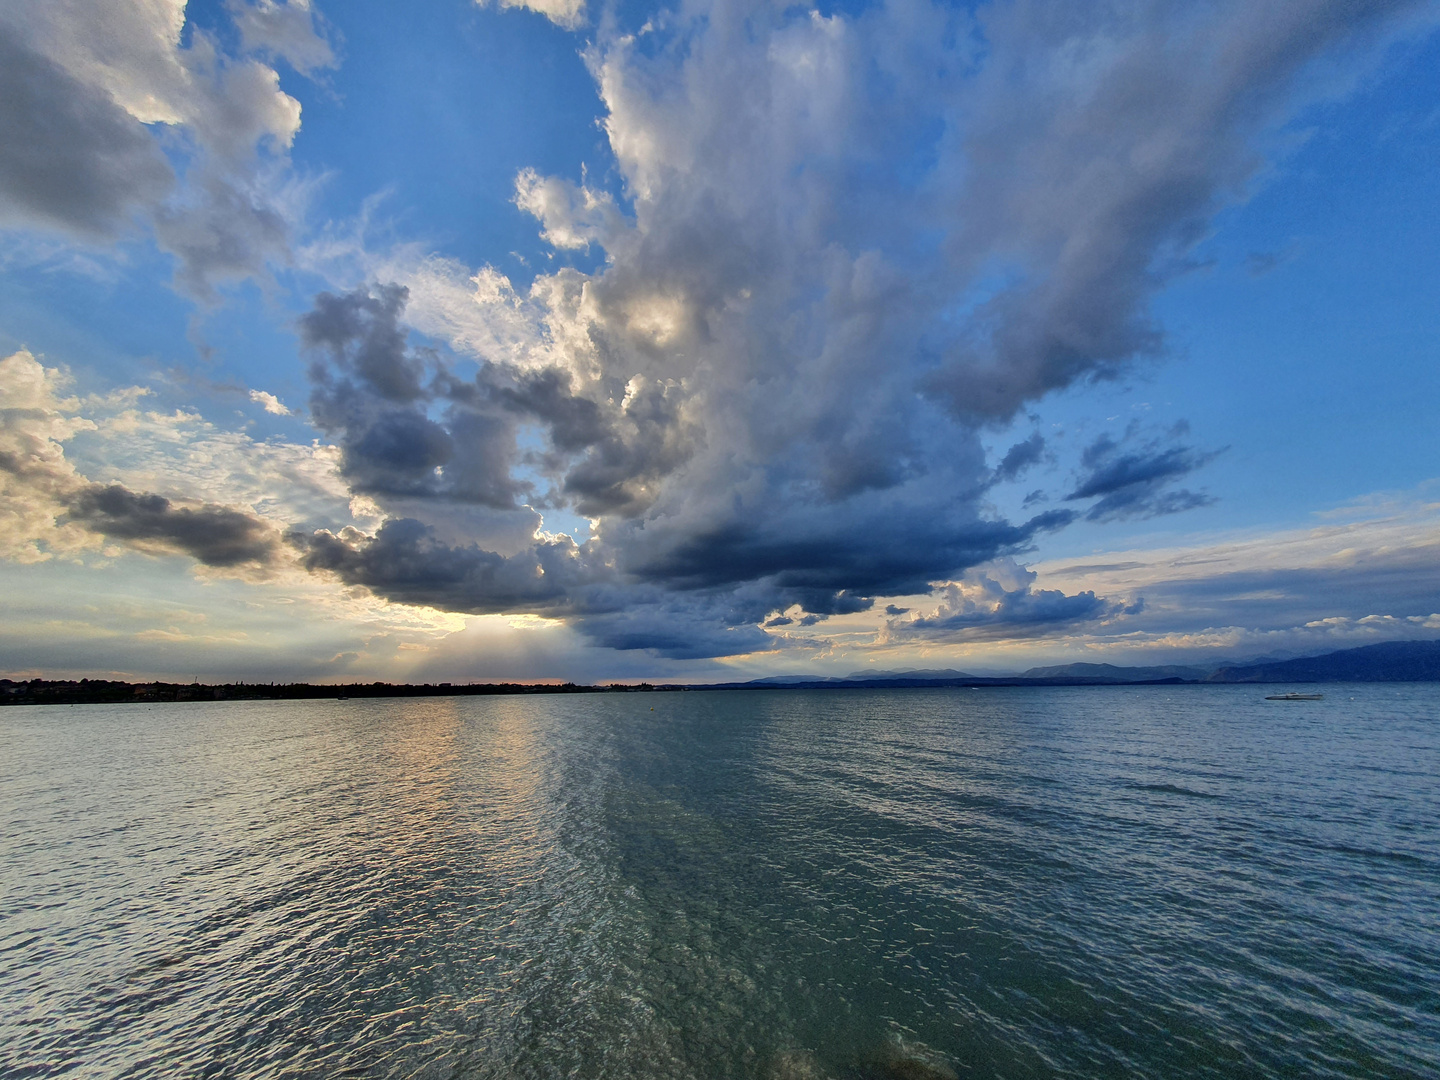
(562, 340)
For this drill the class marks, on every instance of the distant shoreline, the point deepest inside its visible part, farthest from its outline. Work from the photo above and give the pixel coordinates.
(1391, 661)
(106, 692)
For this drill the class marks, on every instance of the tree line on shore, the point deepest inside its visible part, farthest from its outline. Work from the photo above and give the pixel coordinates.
(101, 691)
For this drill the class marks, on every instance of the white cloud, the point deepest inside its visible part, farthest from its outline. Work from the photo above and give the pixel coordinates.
(573, 216)
(35, 422)
(566, 13)
(285, 29)
(133, 476)
(270, 402)
(233, 212)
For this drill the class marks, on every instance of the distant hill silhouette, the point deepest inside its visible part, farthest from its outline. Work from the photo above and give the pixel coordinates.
(1390, 661)
(1113, 672)
(1393, 661)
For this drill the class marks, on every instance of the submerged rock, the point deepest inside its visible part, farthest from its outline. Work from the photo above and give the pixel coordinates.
(795, 1065)
(903, 1060)
(919, 1069)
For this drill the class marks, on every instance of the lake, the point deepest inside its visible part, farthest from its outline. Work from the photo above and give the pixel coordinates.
(790, 885)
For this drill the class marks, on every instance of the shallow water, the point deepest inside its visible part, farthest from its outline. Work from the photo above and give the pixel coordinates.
(1098, 882)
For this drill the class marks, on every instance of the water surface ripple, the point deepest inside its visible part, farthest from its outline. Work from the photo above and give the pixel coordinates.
(1087, 882)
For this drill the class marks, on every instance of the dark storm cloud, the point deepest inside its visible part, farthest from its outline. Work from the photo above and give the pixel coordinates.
(1020, 457)
(829, 576)
(607, 458)
(640, 584)
(360, 334)
(671, 629)
(1131, 483)
(575, 423)
(621, 472)
(405, 561)
(69, 156)
(370, 391)
(213, 535)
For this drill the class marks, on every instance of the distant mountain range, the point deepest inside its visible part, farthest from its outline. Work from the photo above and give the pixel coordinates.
(1391, 661)
(1395, 661)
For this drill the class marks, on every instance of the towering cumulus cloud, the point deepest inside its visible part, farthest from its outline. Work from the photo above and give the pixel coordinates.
(839, 247)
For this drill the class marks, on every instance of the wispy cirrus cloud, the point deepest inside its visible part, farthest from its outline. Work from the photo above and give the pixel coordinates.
(1132, 477)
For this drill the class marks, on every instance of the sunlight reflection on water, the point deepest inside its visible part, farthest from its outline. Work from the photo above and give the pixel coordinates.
(1102, 882)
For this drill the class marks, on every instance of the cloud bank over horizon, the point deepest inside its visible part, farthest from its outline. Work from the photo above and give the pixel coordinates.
(832, 258)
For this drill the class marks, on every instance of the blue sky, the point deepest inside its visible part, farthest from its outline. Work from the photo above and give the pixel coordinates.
(450, 341)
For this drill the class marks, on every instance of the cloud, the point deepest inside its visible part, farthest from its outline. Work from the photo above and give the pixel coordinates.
(99, 72)
(404, 561)
(1000, 601)
(1099, 148)
(1020, 457)
(213, 535)
(221, 230)
(566, 13)
(370, 392)
(832, 250)
(287, 29)
(35, 422)
(69, 156)
(51, 508)
(672, 628)
(270, 402)
(836, 249)
(1130, 483)
(574, 216)
(1372, 575)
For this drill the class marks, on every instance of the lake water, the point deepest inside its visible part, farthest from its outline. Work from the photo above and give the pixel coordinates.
(1087, 882)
